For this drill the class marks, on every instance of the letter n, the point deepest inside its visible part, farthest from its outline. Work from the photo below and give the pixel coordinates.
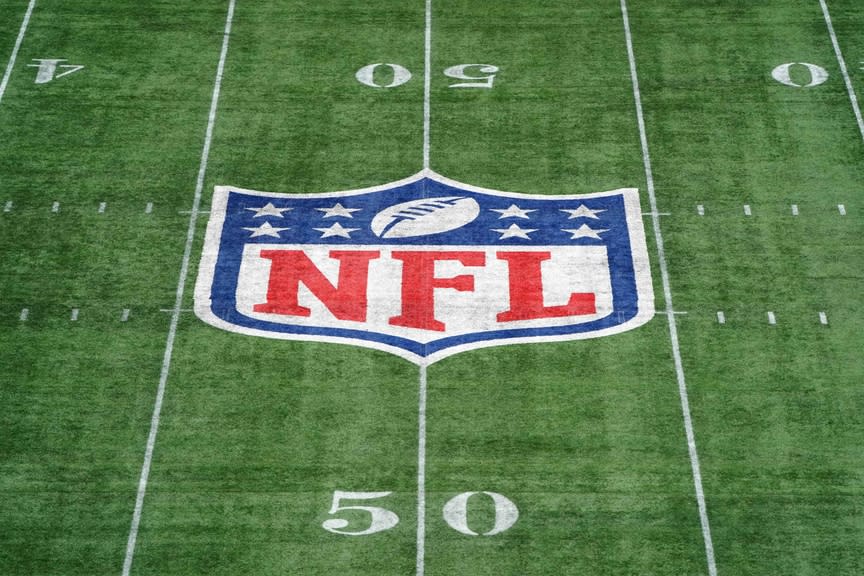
(346, 301)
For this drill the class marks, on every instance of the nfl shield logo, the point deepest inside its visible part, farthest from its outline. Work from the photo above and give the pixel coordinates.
(425, 267)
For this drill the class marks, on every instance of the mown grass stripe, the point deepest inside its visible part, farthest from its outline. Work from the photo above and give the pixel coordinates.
(181, 285)
(667, 295)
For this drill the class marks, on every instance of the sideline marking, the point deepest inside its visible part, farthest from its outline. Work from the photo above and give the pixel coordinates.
(842, 209)
(55, 207)
(74, 316)
(25, 312)
(11, 64)
(149, 208)
(8, 206)
(667, 295)
(700, 209)
(102, 206)
(772, 320)
(181, 285)
(125, 315)
(721, 317)
(823, 318)
(794, 210)
(843, 70)
(747, 211)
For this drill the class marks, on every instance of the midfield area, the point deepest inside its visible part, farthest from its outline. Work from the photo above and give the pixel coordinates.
(265, 456)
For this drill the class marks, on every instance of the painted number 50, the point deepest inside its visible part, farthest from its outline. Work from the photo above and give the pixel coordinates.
(380, 519)
(472, 75)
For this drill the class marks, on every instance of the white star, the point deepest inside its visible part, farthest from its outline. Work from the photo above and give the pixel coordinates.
(336, 230)
(582, 212)
(514, 231)
(265, 230)
(268, 210)
(585, 231)
(512, 212)
(338, 210)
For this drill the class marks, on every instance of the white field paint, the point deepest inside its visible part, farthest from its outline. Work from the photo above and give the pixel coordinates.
(366, 75)
(700, 209)
(421, 473)
(25, 312)
(721, 317)
(11, 64)
(149, 208)
(842, 63)
(124, 316)
(178, 301)
(456, 513)
(460, 72)
(667, 295)
(74, 316)
(421, 409)
(772, 319)
(842, 209)
(794, 210)
(102, 206)
(55, 207)
(8, 206)
(823, 318)
(427, 85)
(782, 74)
(747, 210)
(381, 519)
(47, 69)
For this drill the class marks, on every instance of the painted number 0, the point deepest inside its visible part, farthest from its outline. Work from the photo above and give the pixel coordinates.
(455, 514)
(472, 75)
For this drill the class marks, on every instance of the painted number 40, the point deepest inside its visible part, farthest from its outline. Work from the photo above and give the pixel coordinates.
(380, 519)
(469, 75)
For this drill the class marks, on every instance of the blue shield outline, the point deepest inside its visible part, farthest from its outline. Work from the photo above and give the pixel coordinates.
(231, 216)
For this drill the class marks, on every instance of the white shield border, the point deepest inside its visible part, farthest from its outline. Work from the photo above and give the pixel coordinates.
(638, 249)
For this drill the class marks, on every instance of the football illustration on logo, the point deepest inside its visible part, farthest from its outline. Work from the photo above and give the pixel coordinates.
(424, 217)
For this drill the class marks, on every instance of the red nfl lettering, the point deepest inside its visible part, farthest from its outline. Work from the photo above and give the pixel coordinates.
(526, 291)
(419, 284)
(347, 300)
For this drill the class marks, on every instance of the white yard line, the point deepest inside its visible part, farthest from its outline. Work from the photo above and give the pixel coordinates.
(8, 73)
(421, 410)
(178, 301)
(421, 474)
(842, 62)
(427, 84)
(667, 295)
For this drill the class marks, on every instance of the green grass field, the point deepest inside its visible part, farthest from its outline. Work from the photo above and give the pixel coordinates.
(586, 438)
